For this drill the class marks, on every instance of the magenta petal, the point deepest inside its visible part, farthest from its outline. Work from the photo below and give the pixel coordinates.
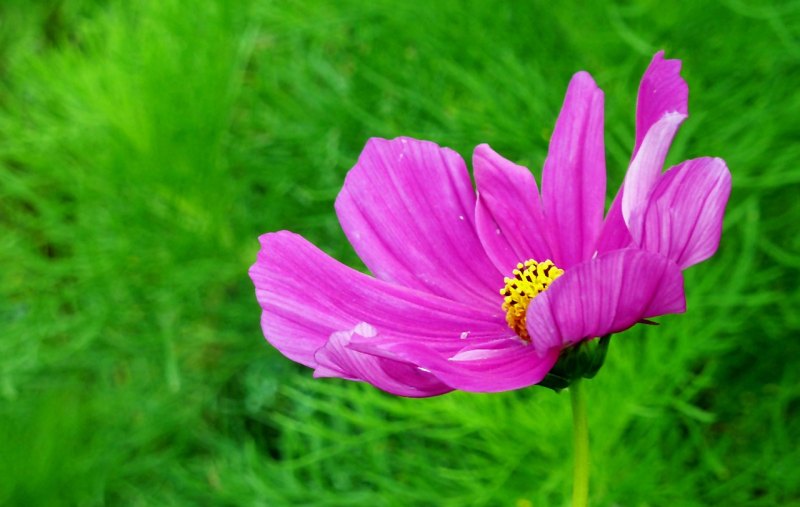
(509, 214)
(683, 218)
(574, 175)
(482, 365)
(335, 359)
(306, 296)
(407, 208)
(615, 234)
(648, 163)
(661, 91)
(605, 295)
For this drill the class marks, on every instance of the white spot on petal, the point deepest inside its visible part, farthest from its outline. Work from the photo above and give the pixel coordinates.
(473, 355)
(465, 335)
(365, 330)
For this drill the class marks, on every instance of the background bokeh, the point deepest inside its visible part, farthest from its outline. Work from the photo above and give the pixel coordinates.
(145, 145)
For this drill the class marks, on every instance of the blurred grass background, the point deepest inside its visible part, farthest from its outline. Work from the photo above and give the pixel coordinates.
(145, 145)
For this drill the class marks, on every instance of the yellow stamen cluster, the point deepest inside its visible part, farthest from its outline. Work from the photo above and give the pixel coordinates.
(530, 279)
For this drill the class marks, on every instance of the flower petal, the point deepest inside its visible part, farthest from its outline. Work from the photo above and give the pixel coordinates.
(484, 366)
(648, 163)
(306, 296)
(683, 218)
(614, 235)
(574, 175)
(335, 359)
(509, 214)
(661, 91)
(407, 207)
(605, 295)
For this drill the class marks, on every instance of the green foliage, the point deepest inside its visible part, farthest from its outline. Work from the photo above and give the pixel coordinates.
(145, 145)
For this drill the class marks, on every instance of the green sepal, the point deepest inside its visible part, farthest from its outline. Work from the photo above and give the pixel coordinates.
(583, 360)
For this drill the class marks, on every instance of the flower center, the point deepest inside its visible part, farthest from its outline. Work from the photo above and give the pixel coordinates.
(530, 279)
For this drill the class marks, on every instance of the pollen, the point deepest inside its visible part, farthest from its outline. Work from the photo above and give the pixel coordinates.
(530, 279)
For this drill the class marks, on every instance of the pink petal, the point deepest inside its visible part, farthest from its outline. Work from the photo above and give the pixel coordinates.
(407, 207)
(605, 295)
(614, 235)
(509, 214)
(482, 365)
(306, 296)
(335, 359)
(574, 175)
(661, 91)
(648, 162)
(683, 218)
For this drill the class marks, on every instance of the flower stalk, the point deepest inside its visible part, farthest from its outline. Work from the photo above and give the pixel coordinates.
(580, 427)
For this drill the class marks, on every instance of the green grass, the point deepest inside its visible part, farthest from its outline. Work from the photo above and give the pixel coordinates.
(145, 145)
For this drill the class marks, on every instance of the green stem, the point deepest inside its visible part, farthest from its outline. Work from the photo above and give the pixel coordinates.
(580, 426)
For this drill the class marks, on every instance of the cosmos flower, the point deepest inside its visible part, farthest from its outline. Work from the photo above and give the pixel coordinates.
(482, 291)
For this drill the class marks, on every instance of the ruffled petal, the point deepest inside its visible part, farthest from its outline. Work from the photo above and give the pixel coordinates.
(661, 91)
(648, 163)
(683, 218)
(605, 295)
(407, 208)
(335, 359)
(482, 365)
(509, 214)
(574, 174)
(306, 296)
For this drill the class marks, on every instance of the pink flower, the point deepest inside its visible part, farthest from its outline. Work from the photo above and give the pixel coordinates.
(446, 309)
